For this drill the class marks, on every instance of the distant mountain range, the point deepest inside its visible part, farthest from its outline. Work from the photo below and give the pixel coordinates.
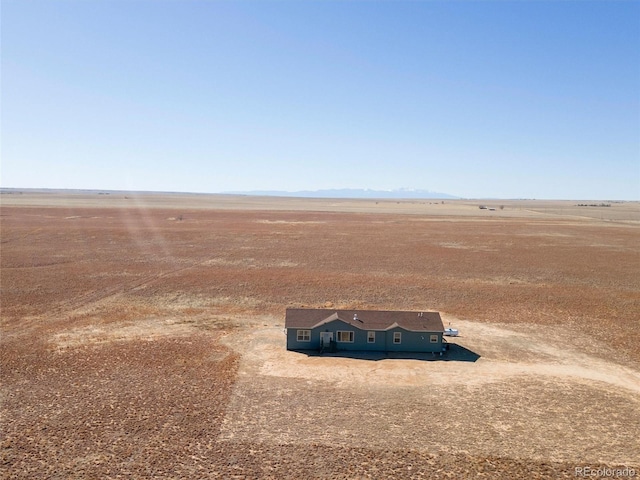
(402, 193)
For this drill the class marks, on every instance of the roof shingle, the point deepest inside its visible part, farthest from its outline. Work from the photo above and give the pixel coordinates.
(365, 319)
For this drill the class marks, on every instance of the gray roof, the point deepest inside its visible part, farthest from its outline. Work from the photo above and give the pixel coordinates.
(309, 318)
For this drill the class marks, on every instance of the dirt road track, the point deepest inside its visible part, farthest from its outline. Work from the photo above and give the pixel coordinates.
(518, 399)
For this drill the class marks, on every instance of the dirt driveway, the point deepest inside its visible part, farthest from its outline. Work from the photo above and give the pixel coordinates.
(514, 393)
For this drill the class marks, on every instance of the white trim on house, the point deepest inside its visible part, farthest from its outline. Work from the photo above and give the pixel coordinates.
(371, 336)
(433, 338)
(334, 316)
(397, 337)
(303, 335)
(350, 336)
(330, 318)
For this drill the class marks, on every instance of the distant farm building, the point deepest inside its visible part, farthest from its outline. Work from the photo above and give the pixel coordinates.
(363, 330)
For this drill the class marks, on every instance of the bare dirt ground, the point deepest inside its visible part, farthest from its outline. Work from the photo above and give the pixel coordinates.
(142, 337)
(526, 396)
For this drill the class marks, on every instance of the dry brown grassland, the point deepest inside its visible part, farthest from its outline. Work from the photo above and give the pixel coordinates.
(142, 337)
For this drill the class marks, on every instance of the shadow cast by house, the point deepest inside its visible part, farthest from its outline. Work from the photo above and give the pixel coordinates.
(458, 353)
(452, 353)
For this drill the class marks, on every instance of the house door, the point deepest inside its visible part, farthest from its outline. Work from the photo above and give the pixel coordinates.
(325, 338)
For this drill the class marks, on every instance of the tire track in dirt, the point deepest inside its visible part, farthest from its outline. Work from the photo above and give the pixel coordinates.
(521, 396)
(58, 314)
(503, 354)
(123, 288)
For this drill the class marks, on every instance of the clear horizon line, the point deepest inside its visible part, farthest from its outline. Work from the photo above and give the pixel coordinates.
(248, 193)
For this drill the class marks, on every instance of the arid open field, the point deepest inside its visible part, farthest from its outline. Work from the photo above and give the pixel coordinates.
(142, 337)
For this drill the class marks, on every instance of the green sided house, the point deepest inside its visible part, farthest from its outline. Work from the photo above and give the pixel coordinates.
(363, 330)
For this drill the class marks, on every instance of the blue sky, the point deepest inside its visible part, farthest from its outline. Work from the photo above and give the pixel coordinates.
(508, 99)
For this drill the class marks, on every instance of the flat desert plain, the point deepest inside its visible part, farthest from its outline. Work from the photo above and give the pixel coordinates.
(142, 337)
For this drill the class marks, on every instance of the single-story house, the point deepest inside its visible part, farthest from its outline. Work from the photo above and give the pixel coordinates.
(365, 330)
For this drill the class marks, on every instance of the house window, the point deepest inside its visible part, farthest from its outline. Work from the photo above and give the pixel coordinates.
(345, 337)
(371, 337)
(434, 338)
(304, 335)
(397, 337)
